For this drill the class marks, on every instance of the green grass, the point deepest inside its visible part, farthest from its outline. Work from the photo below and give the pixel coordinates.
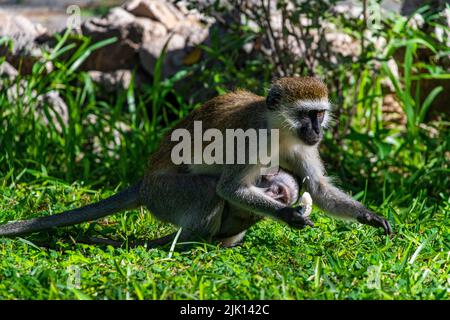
(334, 260)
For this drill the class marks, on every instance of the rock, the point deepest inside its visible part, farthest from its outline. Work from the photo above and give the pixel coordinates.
(118, 131)
(20, 29)
(162, 21)
(193, 31)
(410, 6)
(173, 60)
(25, 51)
(341, 45)
(57, 110)
(142, 27)
(32, 101)
(393, 114)
(119, 79)
(123, 54)
(8, 70)
(152, 29)
(159, 10)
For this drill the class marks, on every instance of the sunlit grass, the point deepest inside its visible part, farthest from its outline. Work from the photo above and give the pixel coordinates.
(334, 260)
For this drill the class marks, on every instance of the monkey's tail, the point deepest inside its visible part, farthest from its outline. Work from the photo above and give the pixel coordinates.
(124, 200)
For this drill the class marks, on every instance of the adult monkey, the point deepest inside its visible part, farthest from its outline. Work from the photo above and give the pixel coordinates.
(193, 195)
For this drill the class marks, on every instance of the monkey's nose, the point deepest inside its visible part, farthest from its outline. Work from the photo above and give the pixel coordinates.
(316, 129)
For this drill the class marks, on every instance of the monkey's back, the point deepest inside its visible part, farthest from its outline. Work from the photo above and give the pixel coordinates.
(235, 110)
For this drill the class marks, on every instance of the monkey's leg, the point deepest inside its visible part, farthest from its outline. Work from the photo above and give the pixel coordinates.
(186, 200)
(235, 222)
(232, 241)
(280, 186)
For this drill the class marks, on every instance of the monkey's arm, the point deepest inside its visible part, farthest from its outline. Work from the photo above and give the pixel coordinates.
(236, 186)
(331, 199)
(124, 200)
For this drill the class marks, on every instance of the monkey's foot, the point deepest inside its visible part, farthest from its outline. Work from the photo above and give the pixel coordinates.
(232, 241)
(374, 220)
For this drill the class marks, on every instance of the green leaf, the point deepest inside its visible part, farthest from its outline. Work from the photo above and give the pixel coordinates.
(89, 51)
(427, 103)
(409, 53)
(80, 295)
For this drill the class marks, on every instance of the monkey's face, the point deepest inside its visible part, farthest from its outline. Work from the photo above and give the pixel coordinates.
(300, 106)
(303, 120)
(309, 126)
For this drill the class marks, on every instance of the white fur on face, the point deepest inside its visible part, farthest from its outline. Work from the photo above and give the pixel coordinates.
(288, 112)
(312, 105)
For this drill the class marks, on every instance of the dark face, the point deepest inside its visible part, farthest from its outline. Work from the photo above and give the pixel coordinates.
(309, 129)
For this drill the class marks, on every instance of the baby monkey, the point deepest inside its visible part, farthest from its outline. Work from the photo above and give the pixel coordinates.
(221, 201)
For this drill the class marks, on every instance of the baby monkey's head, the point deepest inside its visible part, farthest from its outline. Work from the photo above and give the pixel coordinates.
(280, 186)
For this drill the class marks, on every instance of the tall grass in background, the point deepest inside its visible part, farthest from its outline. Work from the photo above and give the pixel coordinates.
(410, 157)
(107, 138)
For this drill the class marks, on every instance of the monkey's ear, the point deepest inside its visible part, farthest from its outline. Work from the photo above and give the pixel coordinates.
(273, 98)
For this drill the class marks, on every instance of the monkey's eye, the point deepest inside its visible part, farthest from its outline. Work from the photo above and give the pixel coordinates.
(303, 115)
(320, 113)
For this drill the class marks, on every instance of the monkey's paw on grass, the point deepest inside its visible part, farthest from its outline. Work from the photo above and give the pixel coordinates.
(374, 220)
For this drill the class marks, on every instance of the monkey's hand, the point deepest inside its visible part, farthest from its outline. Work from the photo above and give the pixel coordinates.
(295, 217)
(370, 218)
